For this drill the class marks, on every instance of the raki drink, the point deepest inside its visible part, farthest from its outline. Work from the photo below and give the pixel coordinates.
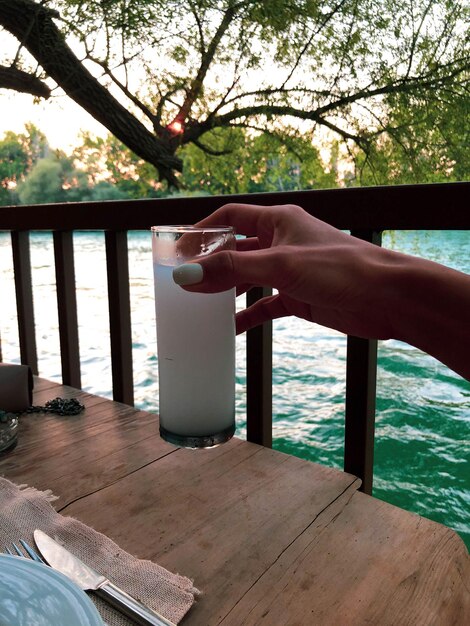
(196, 360)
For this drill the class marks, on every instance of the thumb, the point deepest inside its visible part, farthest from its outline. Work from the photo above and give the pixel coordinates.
(223, 270)
(263, 310)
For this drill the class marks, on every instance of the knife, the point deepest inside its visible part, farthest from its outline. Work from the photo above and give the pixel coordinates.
(87, 579)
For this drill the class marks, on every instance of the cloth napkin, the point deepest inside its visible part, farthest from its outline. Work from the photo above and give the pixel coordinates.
(23, 509)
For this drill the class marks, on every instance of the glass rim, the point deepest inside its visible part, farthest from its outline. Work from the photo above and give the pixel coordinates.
(189, 228)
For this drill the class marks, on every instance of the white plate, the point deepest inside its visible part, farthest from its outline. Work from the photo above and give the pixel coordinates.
(34, 594)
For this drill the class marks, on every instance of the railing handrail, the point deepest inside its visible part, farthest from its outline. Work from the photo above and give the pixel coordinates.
(366, 212)
(442, 206)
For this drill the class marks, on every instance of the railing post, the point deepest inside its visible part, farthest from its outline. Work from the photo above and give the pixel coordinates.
(24, 298)
(67, 308)
(117, 265)
(361, 375)
(259, 370)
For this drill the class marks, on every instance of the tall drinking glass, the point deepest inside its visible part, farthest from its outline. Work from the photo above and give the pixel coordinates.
(195, 341)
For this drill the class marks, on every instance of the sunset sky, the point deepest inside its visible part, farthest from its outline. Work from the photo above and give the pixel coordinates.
(59, 118)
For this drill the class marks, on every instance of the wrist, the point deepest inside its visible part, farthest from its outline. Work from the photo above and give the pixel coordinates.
(428, 306)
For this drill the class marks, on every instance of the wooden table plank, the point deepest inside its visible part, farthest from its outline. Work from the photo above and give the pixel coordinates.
(77, 455)
(388, 569)
(220, 520)
(269, 539)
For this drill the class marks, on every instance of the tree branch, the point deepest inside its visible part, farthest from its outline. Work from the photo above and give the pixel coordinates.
(416, 34)
(140, 105)
(206, 60)
(277, 90)
(329, 16)
(194, 11)
(405, 85)
(270, 111)
(13, 78)
(210, 151)
(345, 54)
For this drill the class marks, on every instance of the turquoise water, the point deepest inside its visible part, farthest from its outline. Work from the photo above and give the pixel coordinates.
(422, 448)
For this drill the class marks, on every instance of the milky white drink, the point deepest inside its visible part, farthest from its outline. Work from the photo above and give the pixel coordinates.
(196, 360)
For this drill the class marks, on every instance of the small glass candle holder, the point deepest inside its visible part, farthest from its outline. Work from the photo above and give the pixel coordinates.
(8, 431)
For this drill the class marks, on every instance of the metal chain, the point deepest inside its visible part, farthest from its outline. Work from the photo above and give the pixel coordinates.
(59, 406)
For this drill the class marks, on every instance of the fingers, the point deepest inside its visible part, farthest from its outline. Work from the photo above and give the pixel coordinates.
(254, 262)
(241, 289)
(223, 270)
(247, 219)
(262, 311)
(249, 243)
(244, 217)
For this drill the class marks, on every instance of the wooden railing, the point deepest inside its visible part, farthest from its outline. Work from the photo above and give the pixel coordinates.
(365, 212)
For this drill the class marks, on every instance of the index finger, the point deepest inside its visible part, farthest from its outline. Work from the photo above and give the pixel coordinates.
(247, 219)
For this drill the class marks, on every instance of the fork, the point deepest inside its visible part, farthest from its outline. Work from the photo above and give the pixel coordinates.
(32, 554)
(28, 549)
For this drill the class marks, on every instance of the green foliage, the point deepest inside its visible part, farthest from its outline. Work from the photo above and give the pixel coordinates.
(253, 164)
(53, 179)
(13, 160)
(426, 141)
(18, 154)
(44, 184)
(104, 169)
(108, 160)
(106, 191)
(240, 163)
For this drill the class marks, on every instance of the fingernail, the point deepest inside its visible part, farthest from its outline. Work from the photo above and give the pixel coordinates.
(188, 274)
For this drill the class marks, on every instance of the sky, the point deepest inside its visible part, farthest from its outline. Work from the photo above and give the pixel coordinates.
(59, 118)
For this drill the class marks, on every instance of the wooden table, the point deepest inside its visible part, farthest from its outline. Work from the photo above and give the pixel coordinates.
(268, 538)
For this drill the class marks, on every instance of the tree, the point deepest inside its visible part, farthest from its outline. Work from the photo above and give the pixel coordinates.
(54, 179)
(44, 184)
(162, 74)
(433, 148)
(253, 163)
(13, 165)
(249, 163)
(106, 159)
(18, 154)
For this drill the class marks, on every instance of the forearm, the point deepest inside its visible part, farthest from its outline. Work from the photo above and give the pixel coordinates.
(428, 306)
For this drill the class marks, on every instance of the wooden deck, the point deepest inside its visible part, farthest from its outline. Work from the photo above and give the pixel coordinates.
(268, 538)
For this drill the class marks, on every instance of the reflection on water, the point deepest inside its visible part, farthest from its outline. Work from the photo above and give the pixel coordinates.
(423, 422)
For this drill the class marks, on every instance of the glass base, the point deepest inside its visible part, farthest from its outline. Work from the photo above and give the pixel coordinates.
(203, 441)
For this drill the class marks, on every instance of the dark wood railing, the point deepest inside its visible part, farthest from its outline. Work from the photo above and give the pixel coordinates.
(366, 212)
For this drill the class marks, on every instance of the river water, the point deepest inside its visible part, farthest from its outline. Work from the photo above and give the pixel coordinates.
(422, 448)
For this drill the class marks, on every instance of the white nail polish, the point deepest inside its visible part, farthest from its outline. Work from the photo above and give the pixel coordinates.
(188, 274)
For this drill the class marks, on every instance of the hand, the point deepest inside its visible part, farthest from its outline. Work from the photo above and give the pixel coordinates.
(326, 276)
(322, 274)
